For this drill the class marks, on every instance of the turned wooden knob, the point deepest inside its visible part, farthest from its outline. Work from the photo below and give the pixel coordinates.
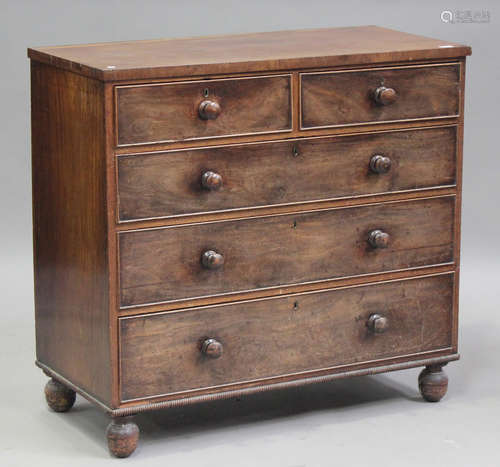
(212, 348)
(378, 239)
(380, 164)
(385, 96)
(377, 324)
(211, 180)
(433, 383)
(212, 260)
(209, 110)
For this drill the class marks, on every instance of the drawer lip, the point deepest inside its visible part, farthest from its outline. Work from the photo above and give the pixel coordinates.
(134, 406)
(279, 205)
(272, 288)
(375, 122)
(297, 375)
(337, 138)
(448, 349)
(200, 81)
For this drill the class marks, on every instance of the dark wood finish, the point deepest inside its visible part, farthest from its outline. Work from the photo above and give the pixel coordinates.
(59, 397)
(347, 98)
(171, 111)
(168, 183)
(69, 228)
(209, 204)
(243, 53)
(433, 383)
(161, 265)
(122, 434)
(377, 323)
(212, 348)
(261, 338)
(458, 202)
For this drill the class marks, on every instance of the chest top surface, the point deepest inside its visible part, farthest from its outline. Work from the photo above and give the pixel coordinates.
(244, 53)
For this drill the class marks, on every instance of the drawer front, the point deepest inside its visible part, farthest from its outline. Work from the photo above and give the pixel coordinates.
(350, 98)
(171, 111)
(162, 353)
(166, 264)
(175, 183)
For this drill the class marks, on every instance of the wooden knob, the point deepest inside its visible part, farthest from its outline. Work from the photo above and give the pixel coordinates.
(212, 260)
(211, 180)
(385, 96)
(380, 164)
(209, 110)
(377, 324)
(378, 239)
(212, 348)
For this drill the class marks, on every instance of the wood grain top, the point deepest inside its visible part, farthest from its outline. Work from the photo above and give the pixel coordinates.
(243, 53)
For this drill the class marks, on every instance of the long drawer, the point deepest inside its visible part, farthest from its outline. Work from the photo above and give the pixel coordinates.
(180, 111)
(175, 183)
(167, 353)
(172, 263)
(341, 98)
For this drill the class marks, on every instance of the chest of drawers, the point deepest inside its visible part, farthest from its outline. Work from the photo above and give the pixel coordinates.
(220, 216)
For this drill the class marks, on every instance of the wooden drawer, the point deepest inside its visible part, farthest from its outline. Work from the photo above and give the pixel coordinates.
(341, 98)
(170, 183)
(161, 354)
(165, 264)
(171, 111)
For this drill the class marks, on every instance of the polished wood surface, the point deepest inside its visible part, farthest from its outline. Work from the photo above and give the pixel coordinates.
(172, 112)
(198, 203)
(161, 265)
(69, 228)
(266, 338)
(348, 98)
(243, 53)
(168, 183)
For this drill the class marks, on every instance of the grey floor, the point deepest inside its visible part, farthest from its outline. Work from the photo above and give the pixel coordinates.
(378, 420)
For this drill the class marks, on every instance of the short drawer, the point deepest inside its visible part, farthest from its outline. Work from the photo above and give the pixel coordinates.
(341, 98)
(243, 176)
(164, 112)
(168, 352)
(173, 263)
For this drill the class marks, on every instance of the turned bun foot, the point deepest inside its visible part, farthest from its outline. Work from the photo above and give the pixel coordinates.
(59, 397)
(122, 434)
(433, 383)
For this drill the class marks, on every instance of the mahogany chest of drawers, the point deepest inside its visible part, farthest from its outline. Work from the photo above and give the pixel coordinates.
(224, 215)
